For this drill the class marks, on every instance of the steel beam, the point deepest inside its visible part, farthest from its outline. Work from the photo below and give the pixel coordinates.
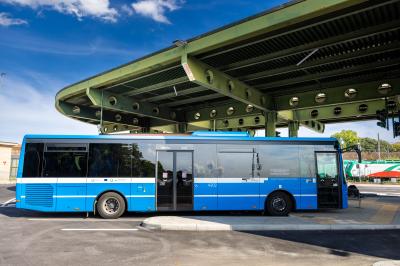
(173, 94)
(341, 112)
(221, 112)
(309, 47)
(243, 116)
(154, 87)
(363, 91)
(218, 81)
(324, 61)
(193, 100)
(252, 121)
(114, 121)
(328, 74)
(112, 101)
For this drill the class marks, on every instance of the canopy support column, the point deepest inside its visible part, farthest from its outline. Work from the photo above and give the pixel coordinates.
(293, 129)
(270, 123)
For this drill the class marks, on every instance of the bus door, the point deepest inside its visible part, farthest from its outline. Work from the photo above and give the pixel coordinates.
(174, 180)
(328, 185)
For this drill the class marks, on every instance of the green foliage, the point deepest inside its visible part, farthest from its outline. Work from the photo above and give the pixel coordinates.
(369, 144)
(346, 138)
(396, 146)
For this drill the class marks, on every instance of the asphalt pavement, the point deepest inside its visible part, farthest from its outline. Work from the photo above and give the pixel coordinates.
(379, 189)
(34, 238)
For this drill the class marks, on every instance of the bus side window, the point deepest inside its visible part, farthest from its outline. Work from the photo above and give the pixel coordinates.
(110, 160)
(279, 160)
(33, 160)
(65, 160)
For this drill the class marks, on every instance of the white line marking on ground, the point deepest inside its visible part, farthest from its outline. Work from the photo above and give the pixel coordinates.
(99, 229)
(392, 194)
(8, 202)
(86, 219)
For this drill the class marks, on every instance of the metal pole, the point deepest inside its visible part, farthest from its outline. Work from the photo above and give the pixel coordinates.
(101, 112)
(379, 148)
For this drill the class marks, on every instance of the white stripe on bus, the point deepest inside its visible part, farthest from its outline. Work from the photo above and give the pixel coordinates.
(94, 196)
(89, 180)
(216, 195)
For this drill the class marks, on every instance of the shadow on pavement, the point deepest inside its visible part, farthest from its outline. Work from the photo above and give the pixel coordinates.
(377, 243)
(11, 188)
(11, 211)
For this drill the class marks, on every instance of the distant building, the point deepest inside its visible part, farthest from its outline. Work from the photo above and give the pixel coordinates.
(9, 157)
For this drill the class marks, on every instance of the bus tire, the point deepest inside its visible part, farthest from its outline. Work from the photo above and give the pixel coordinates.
(278, 204)
(111, 205)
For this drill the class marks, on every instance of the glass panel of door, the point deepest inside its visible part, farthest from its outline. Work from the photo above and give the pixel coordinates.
(175, 180)
(327, 180)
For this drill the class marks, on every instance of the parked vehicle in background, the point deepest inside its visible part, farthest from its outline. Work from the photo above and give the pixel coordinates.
(385, 170)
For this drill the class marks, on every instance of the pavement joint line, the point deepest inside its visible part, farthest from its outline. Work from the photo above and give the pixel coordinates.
(143, 228)
(99, 229)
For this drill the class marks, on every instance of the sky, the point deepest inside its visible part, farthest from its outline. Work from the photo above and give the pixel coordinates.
(46, 45)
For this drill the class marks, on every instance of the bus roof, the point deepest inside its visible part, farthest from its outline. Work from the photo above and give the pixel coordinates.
(180, 137)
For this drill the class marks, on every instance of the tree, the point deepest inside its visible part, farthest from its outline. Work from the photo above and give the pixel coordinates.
(368, 144)
(346, 138)
(396, 146)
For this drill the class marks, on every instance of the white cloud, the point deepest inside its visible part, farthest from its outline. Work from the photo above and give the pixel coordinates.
(25, 109)
(6, 20)
(156, 9)
(79, 8)
(127, 9)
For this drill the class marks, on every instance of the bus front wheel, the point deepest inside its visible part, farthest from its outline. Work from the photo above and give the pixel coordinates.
(278, 204)
(111, 205)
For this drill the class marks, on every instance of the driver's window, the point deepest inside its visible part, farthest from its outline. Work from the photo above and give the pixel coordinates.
(327, 166)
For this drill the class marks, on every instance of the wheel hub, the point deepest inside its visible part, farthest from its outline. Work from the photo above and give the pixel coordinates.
(279, 204)
(111, 205)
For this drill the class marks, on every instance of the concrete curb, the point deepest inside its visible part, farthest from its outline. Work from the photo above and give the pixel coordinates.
(264, 227)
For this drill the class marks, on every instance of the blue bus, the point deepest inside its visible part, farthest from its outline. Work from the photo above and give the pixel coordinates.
(205, 171)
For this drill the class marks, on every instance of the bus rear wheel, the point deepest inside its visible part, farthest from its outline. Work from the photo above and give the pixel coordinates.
(278, 204)
(111, 205)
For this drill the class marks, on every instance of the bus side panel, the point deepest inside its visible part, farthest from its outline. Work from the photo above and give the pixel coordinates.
(205, 194)
(143, 195)
(308, 198)
(71, 197)
(289, 184)
(99, 185)
(38, 194)
(235, 194)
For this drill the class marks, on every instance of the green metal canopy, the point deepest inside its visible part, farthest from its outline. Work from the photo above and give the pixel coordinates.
(305, 63)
